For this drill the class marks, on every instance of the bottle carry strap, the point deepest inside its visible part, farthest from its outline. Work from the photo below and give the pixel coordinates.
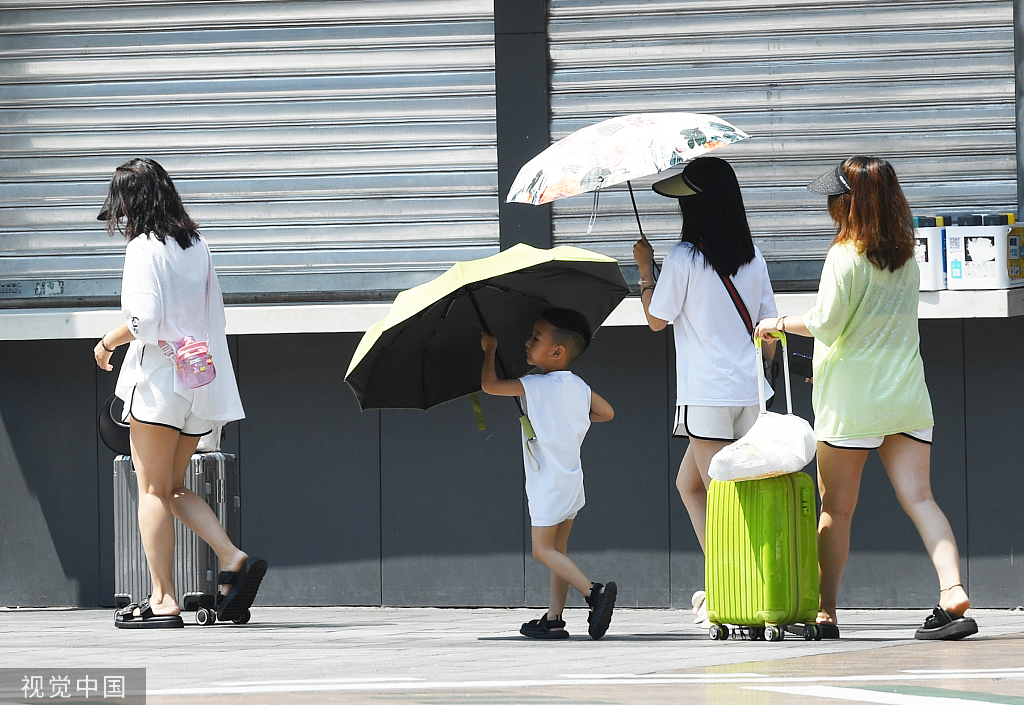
(170, 350)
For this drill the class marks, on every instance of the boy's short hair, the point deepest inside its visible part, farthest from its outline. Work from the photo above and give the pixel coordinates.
(571, 330)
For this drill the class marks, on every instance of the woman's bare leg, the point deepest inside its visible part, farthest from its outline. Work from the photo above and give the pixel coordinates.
(693, 480)
(153, 456)
(908, 464)
(839, 472)
(192, 511)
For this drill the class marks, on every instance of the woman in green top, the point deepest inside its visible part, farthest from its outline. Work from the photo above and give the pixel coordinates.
(869, 385)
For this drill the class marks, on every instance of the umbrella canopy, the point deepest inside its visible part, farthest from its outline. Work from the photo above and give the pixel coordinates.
(616, 150)
(427, 351)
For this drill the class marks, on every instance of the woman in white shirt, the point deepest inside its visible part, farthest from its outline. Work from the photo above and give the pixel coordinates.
(716, 375)
(169, 291)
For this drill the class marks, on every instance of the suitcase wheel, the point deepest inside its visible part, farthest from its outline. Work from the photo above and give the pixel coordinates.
(812, 632)
(205, 616)
(774, 633)
(243, 619)
(718, 632)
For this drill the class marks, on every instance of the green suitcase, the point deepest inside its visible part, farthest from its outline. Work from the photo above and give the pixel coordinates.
(761, 567)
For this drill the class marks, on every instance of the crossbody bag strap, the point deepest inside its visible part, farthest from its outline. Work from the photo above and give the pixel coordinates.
(737, 301)
(741, 308)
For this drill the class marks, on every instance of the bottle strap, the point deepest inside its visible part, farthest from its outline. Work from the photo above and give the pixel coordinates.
(209, 280)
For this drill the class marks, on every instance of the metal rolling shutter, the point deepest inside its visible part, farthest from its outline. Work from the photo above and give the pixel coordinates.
(927, 84)
(327, 149)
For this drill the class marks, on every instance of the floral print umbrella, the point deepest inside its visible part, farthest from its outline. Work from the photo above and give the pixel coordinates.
(616, 150)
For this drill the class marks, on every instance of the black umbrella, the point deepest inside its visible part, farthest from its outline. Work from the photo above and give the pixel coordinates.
(427, 351)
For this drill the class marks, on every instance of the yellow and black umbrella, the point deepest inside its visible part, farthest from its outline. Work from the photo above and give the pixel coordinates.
(427, 351)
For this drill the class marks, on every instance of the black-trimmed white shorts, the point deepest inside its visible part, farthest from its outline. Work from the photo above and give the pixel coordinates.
(714, 423)
(153, 400)
(924, 435)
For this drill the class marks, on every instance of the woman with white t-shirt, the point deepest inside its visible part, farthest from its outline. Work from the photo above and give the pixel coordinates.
(169, 291)
(716, 368)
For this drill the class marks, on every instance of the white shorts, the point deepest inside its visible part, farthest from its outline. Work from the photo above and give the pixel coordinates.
(714, 423)
(924, 435)
(571, 517)
(153, 400)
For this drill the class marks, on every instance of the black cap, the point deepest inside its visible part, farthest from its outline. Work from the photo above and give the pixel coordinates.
(675, 186)
(832, 183)
(105, 210)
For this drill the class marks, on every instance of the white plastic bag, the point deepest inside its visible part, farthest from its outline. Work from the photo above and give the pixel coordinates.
(775, 445)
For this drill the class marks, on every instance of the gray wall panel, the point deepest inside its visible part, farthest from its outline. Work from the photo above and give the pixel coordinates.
(452, 505)
(309, 466)
(995, 477)
(49, 525)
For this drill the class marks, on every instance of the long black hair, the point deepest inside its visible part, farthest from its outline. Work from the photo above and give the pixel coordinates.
(142, 193)
(714, 219)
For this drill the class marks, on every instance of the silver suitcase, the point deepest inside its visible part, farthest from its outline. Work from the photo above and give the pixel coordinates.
(212, 476)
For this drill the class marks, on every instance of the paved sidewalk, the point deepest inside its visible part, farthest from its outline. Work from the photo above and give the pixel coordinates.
(432, 656)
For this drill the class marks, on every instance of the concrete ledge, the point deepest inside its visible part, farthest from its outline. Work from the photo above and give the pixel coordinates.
(50, 324)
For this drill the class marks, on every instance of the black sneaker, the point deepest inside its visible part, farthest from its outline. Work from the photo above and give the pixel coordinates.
(602, 602)
(544, 628)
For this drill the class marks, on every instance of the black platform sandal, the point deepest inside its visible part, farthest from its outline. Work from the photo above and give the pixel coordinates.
(245, 582)
(545, 628)
(602, 602)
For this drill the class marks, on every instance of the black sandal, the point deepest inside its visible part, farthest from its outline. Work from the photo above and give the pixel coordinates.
(828, 630)
(234, 607)
(602, 602)
(125, 618)
(545, 628)
(940, 624)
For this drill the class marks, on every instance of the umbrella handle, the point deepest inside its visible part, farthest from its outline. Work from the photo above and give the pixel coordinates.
(497, 357)
(657, 269)
(635, 211)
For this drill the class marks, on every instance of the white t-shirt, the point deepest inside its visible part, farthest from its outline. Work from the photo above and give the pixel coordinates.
(163, 297)
(715, 360)
(558, 404)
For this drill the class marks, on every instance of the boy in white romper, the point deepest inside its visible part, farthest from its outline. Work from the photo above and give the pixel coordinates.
(561, 407)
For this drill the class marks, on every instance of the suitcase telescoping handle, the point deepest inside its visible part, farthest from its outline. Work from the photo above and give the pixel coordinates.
(785, 370)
